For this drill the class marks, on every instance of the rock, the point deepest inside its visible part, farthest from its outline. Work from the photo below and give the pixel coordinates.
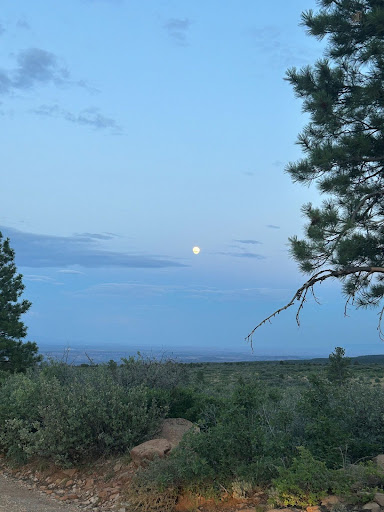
(372, 506)
(117, 467)
(69, 472)
(330, 501)
(173, 430)
(89, 483)
(379, 498)
(149, 450)
(313, 509)
(380, 461)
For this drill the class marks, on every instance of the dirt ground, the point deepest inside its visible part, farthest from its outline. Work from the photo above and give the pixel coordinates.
(16, 497)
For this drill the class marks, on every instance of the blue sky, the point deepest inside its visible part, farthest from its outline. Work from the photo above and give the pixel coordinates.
(132, 131)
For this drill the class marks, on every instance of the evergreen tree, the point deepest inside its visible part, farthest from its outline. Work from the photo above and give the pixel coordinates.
(343, 146)
(15, 356)
(338, 369)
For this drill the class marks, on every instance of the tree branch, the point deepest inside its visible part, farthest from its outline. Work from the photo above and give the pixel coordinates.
(319, 277)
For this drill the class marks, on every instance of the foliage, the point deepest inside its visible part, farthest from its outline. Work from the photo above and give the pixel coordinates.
(304, 483)
(357, 483)
(249, 430)
(308, 480)
(338, 368)
(242, 439)
(164, 373)
(254, 430)
(15, 356)
(342, 424)
(76, 414)
(343, 94)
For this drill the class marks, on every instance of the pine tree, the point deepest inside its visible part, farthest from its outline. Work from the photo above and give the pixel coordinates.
(15, 355)
(338, 369)
(343, 146)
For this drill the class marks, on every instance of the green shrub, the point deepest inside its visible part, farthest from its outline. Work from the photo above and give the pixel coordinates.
(357, 483)
(243, 438)
(342, 421)
(67, 419)
(303, 484)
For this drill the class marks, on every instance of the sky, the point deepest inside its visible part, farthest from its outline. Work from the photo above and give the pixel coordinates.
(133, 131)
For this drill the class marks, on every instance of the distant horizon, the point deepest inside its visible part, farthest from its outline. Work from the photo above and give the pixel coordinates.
(185, 352)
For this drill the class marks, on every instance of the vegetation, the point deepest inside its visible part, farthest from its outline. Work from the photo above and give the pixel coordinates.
(343, 93)
(338, 369)
(280, 426)
(15, 356)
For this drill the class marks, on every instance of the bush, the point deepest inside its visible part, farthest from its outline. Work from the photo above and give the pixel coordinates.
(303, 484)
(243, 438)
(342, 424)
(68, 419)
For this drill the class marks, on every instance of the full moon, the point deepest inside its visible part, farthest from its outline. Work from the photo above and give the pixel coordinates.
(196, 250)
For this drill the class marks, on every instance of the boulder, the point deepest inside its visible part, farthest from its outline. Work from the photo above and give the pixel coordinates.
(375, 507)
(330, 501)
(144, 452)
(379, 498)
(313, 508)
(380, 461)
(173, 430)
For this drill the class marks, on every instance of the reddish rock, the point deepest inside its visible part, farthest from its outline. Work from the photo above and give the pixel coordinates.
(89, 483)
(173, 430)
(149, 450)
(330, 501)
(70, 472)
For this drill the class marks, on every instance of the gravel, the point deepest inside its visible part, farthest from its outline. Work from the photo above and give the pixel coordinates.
(16, 497)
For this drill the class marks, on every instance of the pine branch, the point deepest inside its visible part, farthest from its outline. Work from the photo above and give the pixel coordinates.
(319, 277)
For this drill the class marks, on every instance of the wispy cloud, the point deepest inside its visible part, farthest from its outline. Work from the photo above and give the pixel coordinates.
(88, 117)
(70, 271)
(43, 251)
(37, 66)
(177, 29)
(138, 290)
(41, 279)
(275, 43)
(127, 289)
(23, 23)
(34, 67)
(251, 255)
(248, 241)
(105, 1)
(272, 226)
(239, 293)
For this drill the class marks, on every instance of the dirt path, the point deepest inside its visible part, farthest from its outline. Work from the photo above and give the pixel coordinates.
(16, 497)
